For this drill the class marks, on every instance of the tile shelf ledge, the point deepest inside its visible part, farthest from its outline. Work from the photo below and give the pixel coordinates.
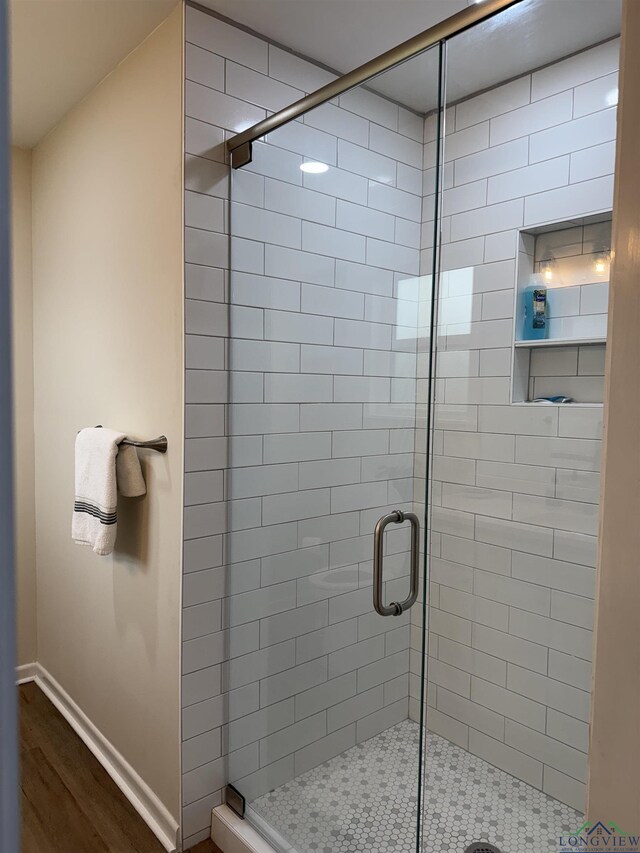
(560, 342)
(594, 405)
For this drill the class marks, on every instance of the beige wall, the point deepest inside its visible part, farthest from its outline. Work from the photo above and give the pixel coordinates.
(614, 792)
(107, 276)
(22, 297)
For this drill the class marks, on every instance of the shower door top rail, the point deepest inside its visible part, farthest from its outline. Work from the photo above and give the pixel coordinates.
(239, 145)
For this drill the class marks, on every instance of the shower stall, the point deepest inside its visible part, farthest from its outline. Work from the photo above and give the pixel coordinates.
(412, 527)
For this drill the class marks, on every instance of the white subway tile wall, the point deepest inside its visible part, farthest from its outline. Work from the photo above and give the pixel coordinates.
(515, 488)
(312, 341)
(332, 418)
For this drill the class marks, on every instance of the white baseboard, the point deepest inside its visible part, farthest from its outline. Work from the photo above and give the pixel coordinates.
(234, 835)
(145, 802)
(26, 672)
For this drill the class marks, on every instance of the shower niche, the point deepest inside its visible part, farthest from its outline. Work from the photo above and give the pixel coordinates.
(568, 264)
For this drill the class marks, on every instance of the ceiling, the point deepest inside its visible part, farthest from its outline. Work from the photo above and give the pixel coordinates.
(344, 34)
(61, 49)
(339, 33)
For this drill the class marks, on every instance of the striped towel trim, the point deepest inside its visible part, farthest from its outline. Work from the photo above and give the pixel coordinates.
(91, 509)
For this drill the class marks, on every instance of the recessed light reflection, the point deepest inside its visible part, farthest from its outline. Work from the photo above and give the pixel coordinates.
(314, 168)
(547, 269)
(611, 98)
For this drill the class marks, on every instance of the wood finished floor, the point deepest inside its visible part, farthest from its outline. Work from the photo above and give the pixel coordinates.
(70, 804)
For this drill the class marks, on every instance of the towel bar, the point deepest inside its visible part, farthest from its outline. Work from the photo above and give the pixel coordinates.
(160, 443)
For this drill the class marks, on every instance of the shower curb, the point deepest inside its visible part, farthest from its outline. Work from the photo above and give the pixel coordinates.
(234, 835)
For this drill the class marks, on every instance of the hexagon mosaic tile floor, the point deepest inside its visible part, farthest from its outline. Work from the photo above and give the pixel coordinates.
(364, 801)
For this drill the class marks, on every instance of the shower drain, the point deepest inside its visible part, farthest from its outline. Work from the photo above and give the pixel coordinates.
(482, 847)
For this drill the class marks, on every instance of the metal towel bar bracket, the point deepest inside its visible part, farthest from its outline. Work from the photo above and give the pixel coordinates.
(160, 443)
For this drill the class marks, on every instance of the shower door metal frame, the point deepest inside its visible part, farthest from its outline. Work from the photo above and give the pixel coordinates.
(239, 146)
(440, 114)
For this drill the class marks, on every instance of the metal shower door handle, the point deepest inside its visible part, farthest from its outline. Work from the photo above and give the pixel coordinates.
(397, 517)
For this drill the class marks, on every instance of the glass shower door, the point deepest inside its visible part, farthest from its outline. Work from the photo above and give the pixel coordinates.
(514, 474)
(330, 312)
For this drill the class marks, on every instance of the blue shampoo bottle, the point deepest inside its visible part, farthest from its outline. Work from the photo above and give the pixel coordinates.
(534, 311)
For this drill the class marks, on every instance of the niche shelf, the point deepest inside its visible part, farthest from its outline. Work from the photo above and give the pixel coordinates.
(570, 259)
(560, 342)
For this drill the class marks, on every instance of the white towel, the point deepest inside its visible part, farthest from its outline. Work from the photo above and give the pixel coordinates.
(102, 469)
(129, 473)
